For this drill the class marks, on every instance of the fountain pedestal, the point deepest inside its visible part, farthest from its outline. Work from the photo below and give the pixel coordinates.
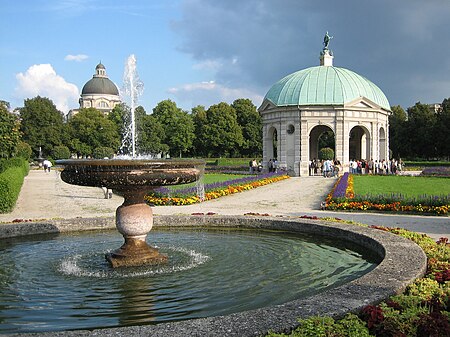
(134, 220)
(132, 179)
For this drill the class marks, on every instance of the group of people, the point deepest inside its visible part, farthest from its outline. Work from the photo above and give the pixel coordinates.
(254, 166)
(392, 166)
(332, 168)
(327, 168)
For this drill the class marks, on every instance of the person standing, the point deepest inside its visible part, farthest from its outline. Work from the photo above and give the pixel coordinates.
(47, 165)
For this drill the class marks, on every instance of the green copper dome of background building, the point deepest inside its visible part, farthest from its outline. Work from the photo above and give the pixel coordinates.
(324, 85)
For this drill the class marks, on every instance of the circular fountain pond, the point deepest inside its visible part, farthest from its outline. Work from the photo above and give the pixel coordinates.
(62, 281)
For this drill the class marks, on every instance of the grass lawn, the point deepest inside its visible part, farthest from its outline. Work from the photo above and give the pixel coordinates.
(407, 186)
(211, 178)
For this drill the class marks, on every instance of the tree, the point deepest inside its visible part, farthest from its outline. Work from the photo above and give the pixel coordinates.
(326, 153)
(150, 136)
(421, 122)
(442, 129)
(178, 126)
(121, 117)
(61, 152)
(9, 131)
(198, 115)
(250, 122)
(221, 133)
(398, 140)
(90, 129)
(42, 125)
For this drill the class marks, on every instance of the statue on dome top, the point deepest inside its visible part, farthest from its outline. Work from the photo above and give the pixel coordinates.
(326, 41)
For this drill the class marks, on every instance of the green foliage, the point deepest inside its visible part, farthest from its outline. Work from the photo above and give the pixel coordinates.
(326, 153)
(397, 134)
(42, 125)
(426, 289)
(178, 127)
(103, 152)
(151, 134)
(9, 132)
(23, 150)
(221, 131)
(11, 180)
(250, 122)
(61, 152)
(90, 129)
(316, 326)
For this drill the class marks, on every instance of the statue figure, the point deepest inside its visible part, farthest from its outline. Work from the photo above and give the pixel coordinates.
(326, 40)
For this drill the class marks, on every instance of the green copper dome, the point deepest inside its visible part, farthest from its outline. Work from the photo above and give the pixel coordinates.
(324, 85)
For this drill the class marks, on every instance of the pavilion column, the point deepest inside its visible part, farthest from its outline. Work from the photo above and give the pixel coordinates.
(304, 148)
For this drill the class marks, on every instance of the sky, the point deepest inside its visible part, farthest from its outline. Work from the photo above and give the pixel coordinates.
(203, 52)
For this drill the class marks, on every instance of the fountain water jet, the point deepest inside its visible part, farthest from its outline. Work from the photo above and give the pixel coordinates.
(133, 87)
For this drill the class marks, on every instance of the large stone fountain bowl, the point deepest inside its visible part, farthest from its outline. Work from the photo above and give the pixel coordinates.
(132, 179)
(121, 174)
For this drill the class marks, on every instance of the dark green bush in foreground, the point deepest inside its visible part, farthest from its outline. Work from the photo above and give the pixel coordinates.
(12, 173)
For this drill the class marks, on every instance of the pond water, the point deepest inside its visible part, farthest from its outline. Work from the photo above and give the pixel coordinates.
(60, 282)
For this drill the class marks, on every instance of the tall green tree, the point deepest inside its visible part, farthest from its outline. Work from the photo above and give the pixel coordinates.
(90, 129)
(398, 139)
(221, 134)
(9, 131)
(421, 122)
(442, 130)
(198, 115)
(151, 135)
(178, 127)
(42, 125)
(250, 122)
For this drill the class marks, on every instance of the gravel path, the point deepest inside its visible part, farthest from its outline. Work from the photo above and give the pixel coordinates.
(46, 196)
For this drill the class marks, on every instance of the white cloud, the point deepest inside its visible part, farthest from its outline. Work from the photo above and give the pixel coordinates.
(77, 58)
(209, 93)
(42, 80)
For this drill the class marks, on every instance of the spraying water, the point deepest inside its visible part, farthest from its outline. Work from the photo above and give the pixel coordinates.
(133, 87)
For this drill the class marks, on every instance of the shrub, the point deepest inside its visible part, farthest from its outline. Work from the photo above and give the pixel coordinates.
(102, 152)
(23, 150)
(326, 153)
(11, 180)
(61, 152)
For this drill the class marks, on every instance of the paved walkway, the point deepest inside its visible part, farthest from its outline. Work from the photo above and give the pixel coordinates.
(46, 196)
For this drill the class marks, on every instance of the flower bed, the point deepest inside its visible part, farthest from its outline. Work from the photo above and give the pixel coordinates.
(436, 171)
(422, 310)
(188, 196)
(342, 197)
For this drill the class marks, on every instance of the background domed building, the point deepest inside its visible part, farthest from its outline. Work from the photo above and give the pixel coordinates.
(302, 106)
(99, 92)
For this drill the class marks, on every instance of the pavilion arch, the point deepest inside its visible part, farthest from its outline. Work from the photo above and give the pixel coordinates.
(314, 135)
(359, 143)
(382, 144)
(271, 142)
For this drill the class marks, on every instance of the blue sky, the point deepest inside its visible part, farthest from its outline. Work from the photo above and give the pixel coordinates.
(202, 52)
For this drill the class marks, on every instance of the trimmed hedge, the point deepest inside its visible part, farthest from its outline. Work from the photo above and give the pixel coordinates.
(12, 174)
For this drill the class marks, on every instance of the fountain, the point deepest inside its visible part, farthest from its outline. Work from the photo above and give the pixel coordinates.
(132, 179)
